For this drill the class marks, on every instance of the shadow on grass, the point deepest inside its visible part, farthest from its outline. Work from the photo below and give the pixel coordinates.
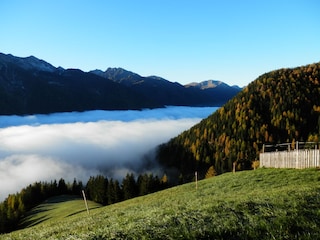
(33, 222)
(30, 220)
(81, 211)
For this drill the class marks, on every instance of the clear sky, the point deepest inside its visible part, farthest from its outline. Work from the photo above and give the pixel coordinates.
(183, 41)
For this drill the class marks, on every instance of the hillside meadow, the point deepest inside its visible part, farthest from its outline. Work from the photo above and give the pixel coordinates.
(259, 204)
(56, 209)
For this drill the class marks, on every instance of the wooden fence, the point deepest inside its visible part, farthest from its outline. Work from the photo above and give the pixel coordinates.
(298, 158)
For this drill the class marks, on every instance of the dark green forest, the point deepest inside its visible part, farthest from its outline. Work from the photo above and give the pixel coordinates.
(99, 189)
(279, 106)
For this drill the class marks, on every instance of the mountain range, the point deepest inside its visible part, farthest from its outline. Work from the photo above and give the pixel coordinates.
(30, 85)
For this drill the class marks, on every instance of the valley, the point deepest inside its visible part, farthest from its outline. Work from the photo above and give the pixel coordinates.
(279, 106)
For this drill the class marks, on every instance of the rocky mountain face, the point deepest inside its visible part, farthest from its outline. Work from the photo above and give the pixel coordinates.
(30, 85)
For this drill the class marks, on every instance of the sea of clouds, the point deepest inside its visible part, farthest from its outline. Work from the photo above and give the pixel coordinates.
(83, 144)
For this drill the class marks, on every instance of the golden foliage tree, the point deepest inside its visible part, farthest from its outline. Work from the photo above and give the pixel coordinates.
(211, 172)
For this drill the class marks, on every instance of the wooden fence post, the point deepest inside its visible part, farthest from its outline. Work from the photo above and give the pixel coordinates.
(85, 201)
(196, 178)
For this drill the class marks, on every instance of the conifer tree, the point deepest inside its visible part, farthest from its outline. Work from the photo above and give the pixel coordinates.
(129, 187)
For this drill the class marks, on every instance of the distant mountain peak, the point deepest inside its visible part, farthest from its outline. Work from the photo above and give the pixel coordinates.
(118, 75)
(28, 63)
(120, 72)
(33, 62)
(207, 84)
(157, 78)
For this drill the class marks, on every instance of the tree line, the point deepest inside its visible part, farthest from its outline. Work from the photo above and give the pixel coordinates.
(99, 189)
(108, 191)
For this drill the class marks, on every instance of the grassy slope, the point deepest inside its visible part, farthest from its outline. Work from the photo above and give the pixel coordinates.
(55, 209)
(261, 204)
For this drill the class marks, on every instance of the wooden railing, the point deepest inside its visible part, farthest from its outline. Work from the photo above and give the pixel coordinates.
(304, 158)
(307, 157)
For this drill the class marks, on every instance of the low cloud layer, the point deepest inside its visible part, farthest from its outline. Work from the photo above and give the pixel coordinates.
(80, 145)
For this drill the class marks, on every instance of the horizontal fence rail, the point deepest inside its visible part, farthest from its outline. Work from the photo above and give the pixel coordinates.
(299, 158)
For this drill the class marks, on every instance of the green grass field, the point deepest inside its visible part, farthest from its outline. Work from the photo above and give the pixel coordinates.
(261, 204)
(55, 209)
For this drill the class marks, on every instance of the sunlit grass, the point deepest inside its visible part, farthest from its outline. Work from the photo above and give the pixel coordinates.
(261, 204)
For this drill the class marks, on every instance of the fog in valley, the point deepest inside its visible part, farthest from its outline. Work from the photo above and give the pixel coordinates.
(80, 145)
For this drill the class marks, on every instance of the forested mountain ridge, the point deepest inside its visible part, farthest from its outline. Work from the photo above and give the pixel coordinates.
(279, 106)
(30, 86)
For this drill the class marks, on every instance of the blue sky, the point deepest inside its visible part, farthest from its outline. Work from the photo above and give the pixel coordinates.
(180, 40)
